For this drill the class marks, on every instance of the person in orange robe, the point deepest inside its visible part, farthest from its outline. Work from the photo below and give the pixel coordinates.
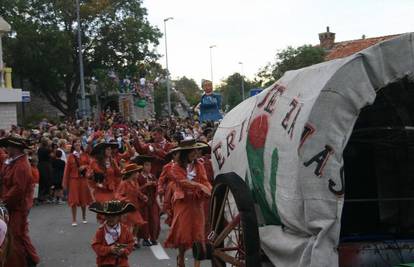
(158, 149)
(35, 180)
(75, 180)
(3, 157)
(129, 191)
(151, 211)
(126, 155)
(165, 174)
(16, 191)
(104, 174)
(205, 159)
(186, 195)
(113, 241)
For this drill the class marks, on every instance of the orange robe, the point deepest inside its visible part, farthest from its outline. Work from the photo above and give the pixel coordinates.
(110, 184)
(206, 160)
(185, 203)
(126, 156)
(79, 193)
(164, 178)
(3, 157)
(129, 191)
(151, 210)
(160, 152)
(103, 252)
(16, 191)
(35, 174)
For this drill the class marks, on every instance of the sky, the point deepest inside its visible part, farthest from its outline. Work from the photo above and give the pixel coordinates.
(253, 31)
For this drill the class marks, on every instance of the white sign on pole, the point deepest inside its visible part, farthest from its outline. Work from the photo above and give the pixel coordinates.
(26, 97)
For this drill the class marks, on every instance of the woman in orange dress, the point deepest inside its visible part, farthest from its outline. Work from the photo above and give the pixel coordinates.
(74, 180)
(129, 191)
(105, 175)
(165, 173)
(185, 196)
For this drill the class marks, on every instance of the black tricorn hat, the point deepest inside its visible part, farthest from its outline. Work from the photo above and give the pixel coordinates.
(102, 145)
(14, 141)
(140, 159)
(113, 207)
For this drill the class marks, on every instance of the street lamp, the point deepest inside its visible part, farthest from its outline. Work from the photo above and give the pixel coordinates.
(242, 81)
(166, 65)
(211, 64)
(4, 28)
(83, 108)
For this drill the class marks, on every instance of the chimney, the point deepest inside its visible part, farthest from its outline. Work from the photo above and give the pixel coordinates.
(327, 39)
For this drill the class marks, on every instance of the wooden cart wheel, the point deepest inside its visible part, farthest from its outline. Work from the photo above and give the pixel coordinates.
(234, 236)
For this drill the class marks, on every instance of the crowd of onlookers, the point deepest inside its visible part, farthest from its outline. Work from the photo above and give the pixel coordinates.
(50, 143)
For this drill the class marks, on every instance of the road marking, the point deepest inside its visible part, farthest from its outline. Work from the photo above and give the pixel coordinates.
(159, 252)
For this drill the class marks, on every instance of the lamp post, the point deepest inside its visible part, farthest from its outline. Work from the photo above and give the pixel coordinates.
(4, 28)
(83, 108)
(242, 81)
(166, 65)
(211, 64)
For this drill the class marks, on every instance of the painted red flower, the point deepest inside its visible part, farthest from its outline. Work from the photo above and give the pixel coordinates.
(258, 131)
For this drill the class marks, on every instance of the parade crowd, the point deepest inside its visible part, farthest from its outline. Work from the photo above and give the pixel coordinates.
(129, 174)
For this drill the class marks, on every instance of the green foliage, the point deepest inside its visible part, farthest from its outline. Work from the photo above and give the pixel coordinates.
(42, 49)
(231, 91)
(34, 119)
(290, 59)
(190, 89)
(104, 82)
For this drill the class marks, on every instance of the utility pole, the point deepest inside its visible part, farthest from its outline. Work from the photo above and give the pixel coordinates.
(242, 81)
(83, 108)
(211, 65)
(166, 65)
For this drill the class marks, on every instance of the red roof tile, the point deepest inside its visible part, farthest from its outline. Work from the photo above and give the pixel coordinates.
(347, 48)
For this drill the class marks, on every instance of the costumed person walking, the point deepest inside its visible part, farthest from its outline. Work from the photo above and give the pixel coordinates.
(151, 210)
(16, 191)
(105, 174)
(35, 179)
(184, 200)
(129, 191)
(113, 242)
(166, 174)
(159, 148)
(76, 182)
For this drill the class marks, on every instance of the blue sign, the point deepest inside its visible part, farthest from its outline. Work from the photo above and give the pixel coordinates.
(26, 96)
(255, 91)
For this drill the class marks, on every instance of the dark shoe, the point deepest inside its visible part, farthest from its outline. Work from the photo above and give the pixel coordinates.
(146, 243)
(154, 243)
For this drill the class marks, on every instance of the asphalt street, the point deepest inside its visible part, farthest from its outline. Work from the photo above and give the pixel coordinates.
(61, 245)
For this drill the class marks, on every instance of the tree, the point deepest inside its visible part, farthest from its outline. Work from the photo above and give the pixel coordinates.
(190, 89)
(231, 92)
(42, 49)
(290, 59)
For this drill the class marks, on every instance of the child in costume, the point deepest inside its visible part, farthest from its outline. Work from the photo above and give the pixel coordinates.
(151, 211)
(129, 191)
(113, 241)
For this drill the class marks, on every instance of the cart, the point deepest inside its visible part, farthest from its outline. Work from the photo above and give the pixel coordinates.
(282, 159)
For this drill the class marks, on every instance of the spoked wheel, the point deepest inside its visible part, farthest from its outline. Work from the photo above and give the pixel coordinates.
(234, 236)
